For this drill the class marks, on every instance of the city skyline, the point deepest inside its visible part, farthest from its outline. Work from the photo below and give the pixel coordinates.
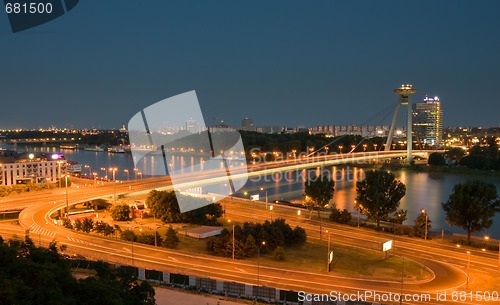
(281, 63)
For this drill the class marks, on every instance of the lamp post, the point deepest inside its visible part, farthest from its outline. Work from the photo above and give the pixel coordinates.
(262, 189)
(90, 170)
(67, 201)
(357, 208)
(423, 211)
(103, 169)
(128, 174)
(233, 237)
(468, 265)
(402, 281)
(271, 209)
(487, 238)
(329, 256)
(135, 173)
(258, 262)
(59, 172)
(114, 169)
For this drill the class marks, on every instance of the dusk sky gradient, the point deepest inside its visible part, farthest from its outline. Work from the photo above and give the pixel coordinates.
(279, 62)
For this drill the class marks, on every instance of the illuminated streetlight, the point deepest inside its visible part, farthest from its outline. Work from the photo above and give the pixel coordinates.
(59, 172)
(266, 195)
(128, 174)
(423, 211)
(271, 209)
(67, 201)
(114, 169)
(258, 262)
(329, 256)
(90, 170)
(104, 169)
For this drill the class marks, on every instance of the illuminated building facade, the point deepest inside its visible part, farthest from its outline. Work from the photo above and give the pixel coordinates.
(428, 121)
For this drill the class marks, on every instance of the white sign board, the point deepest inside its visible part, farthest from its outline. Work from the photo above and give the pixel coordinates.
(386, 246)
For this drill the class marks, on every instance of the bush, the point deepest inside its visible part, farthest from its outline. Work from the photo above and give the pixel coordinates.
(67, 223)
(128, 235)
(120, 212)
(279, 254)
(436, 159)
(248, 239)
(343, 217)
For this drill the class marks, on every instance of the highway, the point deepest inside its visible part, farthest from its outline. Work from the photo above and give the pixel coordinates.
(446, 262)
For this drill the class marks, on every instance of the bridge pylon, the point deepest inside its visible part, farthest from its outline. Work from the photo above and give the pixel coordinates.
(404, 92)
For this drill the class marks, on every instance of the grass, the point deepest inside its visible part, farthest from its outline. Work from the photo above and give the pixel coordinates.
(349, 261)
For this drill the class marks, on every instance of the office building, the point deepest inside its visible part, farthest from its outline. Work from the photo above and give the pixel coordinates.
(428, 121)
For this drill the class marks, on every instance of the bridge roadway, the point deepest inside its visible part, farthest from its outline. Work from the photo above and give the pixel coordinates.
(445, 262)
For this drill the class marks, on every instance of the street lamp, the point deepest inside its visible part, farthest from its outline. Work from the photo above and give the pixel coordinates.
(67, 201)
(59, 172)
(266, 195)
(329, 256)
(258, 262)
(233, 237)
(357, 208)
(271, 209)
(468, 265)
(104, 169)
(423, 211)
(487, 238)
(114, 169)
(128, 174)
(135, 172)
(90, 170)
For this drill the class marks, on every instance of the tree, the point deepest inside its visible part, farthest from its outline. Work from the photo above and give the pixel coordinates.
(171, 240)
(78, 225)
(455, 153)
(31, 275)
(87, 225)
(163, 205)
(120, 212)
(320, 190)
(419, 227)
(279, 254)
(379, 194)
(471, 206)
(399, 216)
(128, 235)
(436, 159)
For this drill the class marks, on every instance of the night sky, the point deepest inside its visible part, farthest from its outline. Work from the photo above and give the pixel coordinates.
(279, 62)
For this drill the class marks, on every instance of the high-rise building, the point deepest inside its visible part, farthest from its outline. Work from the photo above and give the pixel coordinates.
(247, 124)
(428, 121)
(193, 126)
